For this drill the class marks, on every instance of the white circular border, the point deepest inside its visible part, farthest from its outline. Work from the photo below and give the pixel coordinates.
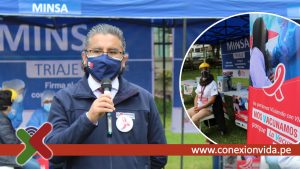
(203, 32)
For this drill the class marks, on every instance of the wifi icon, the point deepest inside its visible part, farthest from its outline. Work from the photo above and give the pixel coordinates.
(31, 130)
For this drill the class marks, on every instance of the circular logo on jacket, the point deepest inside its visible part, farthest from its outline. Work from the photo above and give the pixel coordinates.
(124, 123)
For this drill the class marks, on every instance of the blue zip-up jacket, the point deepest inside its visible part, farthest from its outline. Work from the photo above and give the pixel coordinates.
(7, 136)
(71, 126)
(38, 117)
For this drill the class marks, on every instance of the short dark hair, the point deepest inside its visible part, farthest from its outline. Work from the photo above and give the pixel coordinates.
(105, 29)
(5, 99)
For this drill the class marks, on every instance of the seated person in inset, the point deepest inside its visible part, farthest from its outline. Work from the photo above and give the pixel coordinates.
(206, 94)
(40, 116)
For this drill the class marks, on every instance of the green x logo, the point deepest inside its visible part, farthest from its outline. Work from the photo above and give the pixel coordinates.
(34, 143)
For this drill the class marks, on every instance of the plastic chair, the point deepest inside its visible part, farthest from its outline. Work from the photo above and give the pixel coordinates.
(221, 102)
(212, 116)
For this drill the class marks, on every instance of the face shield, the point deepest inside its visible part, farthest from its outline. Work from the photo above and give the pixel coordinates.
(47, 96)
(46, 99)
(17, 85)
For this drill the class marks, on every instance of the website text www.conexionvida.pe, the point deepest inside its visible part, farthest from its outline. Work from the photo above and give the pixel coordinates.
(265, 150)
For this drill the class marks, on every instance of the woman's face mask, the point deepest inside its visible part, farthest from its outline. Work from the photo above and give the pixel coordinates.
(16, 110)
(47, 106)
(204, 73)
(104, 67)
(12, 113)
(19, 98)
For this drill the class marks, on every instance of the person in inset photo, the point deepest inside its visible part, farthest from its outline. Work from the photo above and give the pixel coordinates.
(287, 48)
(206, 94)
(261, 74)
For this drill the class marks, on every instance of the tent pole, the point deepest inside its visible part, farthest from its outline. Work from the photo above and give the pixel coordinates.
(182, 112)
(164, 72)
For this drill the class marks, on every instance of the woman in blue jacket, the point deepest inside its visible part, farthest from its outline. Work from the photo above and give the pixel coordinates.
(40, 116)
(7, 132)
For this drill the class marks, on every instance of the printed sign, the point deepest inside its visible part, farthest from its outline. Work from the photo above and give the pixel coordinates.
(235, 57)
(273, 106)
(274, 114)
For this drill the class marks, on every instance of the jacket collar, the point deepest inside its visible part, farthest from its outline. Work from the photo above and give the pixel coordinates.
(126, 90)
(82, 89)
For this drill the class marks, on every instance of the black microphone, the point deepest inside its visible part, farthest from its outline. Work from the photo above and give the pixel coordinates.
(106, 86)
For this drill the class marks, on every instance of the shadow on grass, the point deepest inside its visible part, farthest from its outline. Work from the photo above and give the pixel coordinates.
(189, 162)
(234, 135)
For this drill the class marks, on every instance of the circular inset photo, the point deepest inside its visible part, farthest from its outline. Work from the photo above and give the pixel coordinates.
(236, 78)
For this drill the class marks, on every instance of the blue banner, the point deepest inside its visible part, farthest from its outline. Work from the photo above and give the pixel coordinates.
(50, 58)
(147, 8)
(236, 54)
(53, 7)
(24, 41)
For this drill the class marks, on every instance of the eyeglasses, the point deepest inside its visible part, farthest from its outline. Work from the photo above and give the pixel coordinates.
(113, 53)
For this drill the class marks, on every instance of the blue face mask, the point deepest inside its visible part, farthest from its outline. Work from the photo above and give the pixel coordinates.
(103, 67)
(16, 110)
(12, 114)
(47, 106)
(19, 99)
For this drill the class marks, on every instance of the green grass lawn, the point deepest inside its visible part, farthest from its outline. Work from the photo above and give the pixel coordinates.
(235, 134)
(189, 162)
(192, 74)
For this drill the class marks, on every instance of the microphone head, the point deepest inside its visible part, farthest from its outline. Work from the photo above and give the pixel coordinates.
(106, 84)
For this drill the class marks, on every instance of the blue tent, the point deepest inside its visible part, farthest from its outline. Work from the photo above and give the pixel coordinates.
(231, 28)
(147, 8)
